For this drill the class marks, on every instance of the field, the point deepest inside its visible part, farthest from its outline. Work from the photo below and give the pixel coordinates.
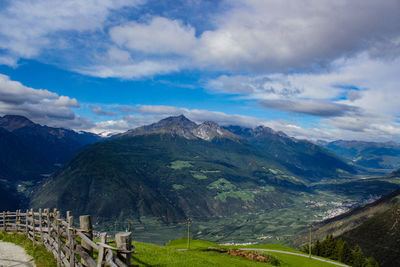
(174, 254)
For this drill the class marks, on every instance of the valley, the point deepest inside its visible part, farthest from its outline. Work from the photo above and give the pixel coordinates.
(237, 185)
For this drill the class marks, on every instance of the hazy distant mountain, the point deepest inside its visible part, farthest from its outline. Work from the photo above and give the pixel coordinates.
(56, 145)
(299, 156)
(174, 168)
(367, 154)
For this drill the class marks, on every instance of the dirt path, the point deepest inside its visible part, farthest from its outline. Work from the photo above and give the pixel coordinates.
(297, 254)
(12, 255)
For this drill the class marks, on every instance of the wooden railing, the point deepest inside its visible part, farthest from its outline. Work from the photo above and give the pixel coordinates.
(71, 246)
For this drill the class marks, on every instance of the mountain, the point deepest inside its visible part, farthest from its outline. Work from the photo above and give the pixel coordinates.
(168, 177)
(55, 145)
(9, 197)
(182, 126)
(19, 161)
(367, 154)
(301, 157)
(175, 168)
(28, 152)
(375, 227)
(379, 236)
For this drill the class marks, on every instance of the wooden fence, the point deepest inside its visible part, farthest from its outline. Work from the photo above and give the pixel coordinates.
(71, 246)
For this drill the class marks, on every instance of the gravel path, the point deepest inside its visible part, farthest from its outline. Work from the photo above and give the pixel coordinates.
(12, 255)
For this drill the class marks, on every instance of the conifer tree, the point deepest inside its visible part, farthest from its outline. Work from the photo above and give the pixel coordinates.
(371, 262)
(338, 250)
(328, 246)
(316, 249)
(347, 255)
(358, 257)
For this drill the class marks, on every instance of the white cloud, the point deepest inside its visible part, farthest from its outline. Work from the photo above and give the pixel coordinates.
(40, 105)
(27, 27)
(253, 36)
(157, 36)
(266, 36)
(131, 70)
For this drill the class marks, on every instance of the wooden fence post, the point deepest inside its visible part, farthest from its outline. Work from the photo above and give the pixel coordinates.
(4, 221)
(103, 240)
(33, 226)
(26, 222)
(70, 241)
(124, 241)
(87, 228)
(40, 226)
(57, 219)
(17, 222)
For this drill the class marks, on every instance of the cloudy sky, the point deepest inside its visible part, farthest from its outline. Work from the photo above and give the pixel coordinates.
(313, 69)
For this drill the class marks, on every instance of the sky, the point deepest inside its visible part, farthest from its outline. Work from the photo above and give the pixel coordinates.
(313, 69)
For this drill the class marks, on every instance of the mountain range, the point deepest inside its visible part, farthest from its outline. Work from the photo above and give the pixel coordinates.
(367, 154)
(175, 168)
(29, 150)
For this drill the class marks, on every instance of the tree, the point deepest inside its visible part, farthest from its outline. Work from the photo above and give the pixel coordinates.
(317, 248)
(347, 254)
(371, 262)
(328, 247)
(358, 257)
(339, 251)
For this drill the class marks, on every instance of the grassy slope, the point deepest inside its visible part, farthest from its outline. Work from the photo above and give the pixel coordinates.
(168, 255)
(197, 257)
(42, 257)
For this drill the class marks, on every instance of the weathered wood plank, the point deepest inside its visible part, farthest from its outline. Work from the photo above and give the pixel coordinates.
(88, 241)
(103, 240)
(70, 239)
(88, 260)
(124, 242)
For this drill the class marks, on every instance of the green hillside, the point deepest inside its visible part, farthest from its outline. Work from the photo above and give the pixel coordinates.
(167, 177)
(156, 176)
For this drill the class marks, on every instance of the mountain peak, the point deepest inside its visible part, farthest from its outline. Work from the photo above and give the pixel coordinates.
(176, 119)
(182, 126)
(13, 122)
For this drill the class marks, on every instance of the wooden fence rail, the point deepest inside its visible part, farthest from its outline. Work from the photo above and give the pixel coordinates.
(71, 246)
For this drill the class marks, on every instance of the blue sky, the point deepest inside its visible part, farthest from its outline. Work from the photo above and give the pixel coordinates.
(316, 70)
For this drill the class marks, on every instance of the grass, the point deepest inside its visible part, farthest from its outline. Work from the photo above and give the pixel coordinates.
(201, 258)
(180, 164)
(41, 256)
(152, 255)
(174, 253)
(199, 176)
(292, 260)
(244, 195)
(178, 186)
